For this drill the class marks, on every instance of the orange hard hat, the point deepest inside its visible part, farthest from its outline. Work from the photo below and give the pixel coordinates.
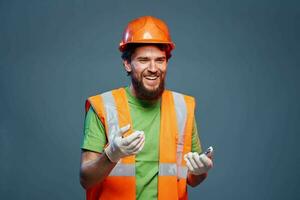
(146, 29)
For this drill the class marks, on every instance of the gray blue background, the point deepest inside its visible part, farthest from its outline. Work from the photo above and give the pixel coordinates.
(240, 59)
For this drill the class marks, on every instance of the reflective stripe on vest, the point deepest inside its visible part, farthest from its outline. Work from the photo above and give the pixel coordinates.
(111, 114)
(171, 169)
(112, 119)
(181, 115)
(167, 169)
(122, 169)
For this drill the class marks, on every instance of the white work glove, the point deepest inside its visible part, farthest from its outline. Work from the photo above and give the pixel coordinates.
(198, 164)
(120, 147)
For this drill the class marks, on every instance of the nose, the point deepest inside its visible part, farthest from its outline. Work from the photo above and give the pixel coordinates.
(152, 67)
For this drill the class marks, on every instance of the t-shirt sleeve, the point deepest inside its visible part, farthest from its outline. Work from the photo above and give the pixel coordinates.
(196, 144)
(94, 138)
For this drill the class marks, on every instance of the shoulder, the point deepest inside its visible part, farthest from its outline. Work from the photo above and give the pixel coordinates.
(105, 98)
(106, 93)
(186, 97)
(96, 102)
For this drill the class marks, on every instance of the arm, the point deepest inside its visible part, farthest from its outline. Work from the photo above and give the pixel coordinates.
(194, 180)
(96, 165)
(198, 167)
(94, 168)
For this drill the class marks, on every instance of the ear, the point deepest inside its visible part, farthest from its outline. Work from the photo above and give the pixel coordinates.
(127, 66)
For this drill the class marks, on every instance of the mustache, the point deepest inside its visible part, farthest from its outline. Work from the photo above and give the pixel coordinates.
(157, 73)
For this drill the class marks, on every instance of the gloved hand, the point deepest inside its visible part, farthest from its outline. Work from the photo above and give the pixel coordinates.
(198, 164)
(120, 147)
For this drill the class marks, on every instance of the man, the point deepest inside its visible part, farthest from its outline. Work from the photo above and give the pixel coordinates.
(141, 142)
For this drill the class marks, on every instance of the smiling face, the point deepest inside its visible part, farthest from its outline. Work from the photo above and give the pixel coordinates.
(147, 69)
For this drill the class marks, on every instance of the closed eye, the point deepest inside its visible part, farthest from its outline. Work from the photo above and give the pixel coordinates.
(143, 59)
(161, 60)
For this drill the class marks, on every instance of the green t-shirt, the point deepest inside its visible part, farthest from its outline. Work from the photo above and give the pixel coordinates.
(145, 117)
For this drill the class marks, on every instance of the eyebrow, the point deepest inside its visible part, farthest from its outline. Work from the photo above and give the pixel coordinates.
(145, 58)
(161, 58)
(142, 58)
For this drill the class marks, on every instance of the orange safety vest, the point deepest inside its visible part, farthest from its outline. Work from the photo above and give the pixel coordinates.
(177, 118)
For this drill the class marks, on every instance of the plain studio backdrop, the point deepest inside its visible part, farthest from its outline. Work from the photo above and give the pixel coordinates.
(240, 59)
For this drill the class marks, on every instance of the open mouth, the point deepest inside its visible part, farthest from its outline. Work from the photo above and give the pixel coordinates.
(151, 81)
(151, 77)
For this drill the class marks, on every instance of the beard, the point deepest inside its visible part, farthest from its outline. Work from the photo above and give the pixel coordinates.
(144, 93)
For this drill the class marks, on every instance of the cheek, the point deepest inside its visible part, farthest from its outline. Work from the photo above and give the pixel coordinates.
(164, 67)
(139, 68)
(163, 70)
(137, 73)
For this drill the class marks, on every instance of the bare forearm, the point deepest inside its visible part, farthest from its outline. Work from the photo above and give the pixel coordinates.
(194, 180)
(94, 171)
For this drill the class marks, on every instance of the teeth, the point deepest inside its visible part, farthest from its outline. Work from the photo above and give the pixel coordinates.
(151, 77)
